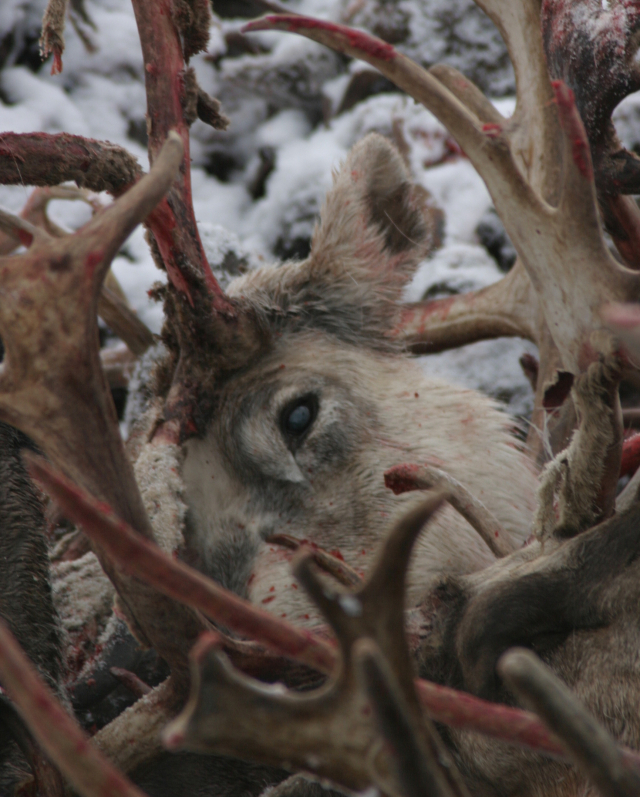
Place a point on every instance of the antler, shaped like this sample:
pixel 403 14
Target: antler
pixel 550 214
pixel 590 746
pixel 88 771
pixel 591 47
pixel 112 308
pixel 52 386
pixel 548 210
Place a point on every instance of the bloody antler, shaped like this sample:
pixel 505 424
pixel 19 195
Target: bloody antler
pixel 44 159
pixel 592 47
pixel 51 383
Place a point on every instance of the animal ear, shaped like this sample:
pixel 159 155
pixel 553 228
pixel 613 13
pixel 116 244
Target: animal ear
pixel 374 229
pixel 374 219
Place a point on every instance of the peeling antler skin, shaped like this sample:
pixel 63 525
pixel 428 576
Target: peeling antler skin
pixel 51 383
pixel 207 330
pixel 591 47
pixel 43 159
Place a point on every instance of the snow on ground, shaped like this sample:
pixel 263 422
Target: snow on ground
pixel 296 109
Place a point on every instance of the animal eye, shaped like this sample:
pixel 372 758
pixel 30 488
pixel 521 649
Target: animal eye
pixel 298 416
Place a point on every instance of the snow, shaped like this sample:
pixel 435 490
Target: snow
pixel 282 105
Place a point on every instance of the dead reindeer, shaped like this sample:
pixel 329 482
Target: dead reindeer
pixel 297 439
pixel 231 439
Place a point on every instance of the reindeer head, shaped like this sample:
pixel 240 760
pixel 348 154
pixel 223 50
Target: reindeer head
pixel 297 439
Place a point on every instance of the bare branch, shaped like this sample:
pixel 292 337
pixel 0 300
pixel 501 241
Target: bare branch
pixel 404 478
pixel 89 772
pixel 591 747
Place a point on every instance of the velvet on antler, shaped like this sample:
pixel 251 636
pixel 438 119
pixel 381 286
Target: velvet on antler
pixel 51 382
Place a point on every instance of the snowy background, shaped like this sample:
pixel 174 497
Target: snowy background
pixel 295 108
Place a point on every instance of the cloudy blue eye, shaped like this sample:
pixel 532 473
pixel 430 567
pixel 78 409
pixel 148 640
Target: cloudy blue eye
pixel 298 416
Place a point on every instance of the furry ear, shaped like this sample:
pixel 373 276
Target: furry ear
pixel 375 223
pixel 374 229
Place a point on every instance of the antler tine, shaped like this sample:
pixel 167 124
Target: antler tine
pixel 508 308
pixel 33 220
pixel 330 726
pixel 376 609
pixel 534 127
pixel 468 93
pixel 22 230
pixel 88 771
pixel 52 386
pixel 590 746
pixel 541 235
pixel 423 765
pixel 490 156
pixel 404 478
pixel 118 221
pixel 328 732
pixel 62 340
pixel 48 159
pixel 145 560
